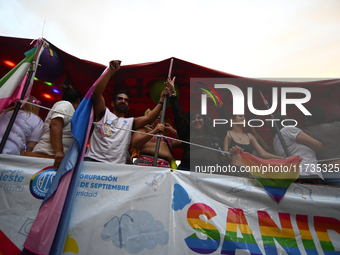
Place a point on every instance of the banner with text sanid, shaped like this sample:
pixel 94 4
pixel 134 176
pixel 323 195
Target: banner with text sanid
pixel 124 209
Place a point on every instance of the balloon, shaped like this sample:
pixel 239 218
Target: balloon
pixel 51 66
pixel 156 91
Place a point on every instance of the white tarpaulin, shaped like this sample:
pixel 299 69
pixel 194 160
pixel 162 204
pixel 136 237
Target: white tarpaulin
pixel 124 209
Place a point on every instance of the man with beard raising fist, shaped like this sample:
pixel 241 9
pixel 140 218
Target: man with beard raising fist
pixel 109 144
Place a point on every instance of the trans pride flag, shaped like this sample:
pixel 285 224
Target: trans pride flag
pixel 275 175
pixel 49 230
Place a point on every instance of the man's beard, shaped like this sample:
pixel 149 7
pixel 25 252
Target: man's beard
pixel 121 108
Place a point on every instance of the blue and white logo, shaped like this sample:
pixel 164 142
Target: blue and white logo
pixel 41 182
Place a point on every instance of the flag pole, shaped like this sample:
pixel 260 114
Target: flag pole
pixel 31 72
pixel 154 163
pixel 276 128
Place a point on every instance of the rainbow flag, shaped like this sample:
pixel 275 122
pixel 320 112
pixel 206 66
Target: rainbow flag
pixel 275 175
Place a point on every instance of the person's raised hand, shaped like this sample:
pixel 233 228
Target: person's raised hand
pixel 114 66
pixel 170 84
pixel 164 93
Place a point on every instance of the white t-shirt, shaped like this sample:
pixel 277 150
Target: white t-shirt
pixel 308 165
pixel 27 127
pixel 328 134
pixel 65 111
pixel 110 144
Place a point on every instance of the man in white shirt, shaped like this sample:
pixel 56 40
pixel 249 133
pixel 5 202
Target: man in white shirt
pixel 109 144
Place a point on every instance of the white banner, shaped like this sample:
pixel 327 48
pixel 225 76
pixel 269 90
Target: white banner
pixel 124 209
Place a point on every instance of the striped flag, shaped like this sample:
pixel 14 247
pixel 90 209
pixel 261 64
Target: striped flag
pixel 11 85
pixel 48 232
pixel 275 175
pixel 81 126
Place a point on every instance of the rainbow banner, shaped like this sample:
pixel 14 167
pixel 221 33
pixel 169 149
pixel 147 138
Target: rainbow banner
pixel 236 220
pixel 213 236
pixel 306 235
pixel 271 232
pixel 275 175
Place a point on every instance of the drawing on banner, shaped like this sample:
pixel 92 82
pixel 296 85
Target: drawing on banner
pixel 41 182
pixel 157 179
pixel 239 188
pixel 199 180
pixel 25 228
pixel 180 199
pixel 71 244
pixel 135 230
pixel 304 192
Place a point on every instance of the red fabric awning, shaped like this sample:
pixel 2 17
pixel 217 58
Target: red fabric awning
pixel 138 80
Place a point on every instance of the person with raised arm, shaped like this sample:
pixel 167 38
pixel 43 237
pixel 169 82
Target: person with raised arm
pixel 198 129
pixel 109 144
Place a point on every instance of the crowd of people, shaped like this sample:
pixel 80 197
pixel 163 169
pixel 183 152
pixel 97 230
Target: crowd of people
pixel 202 144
